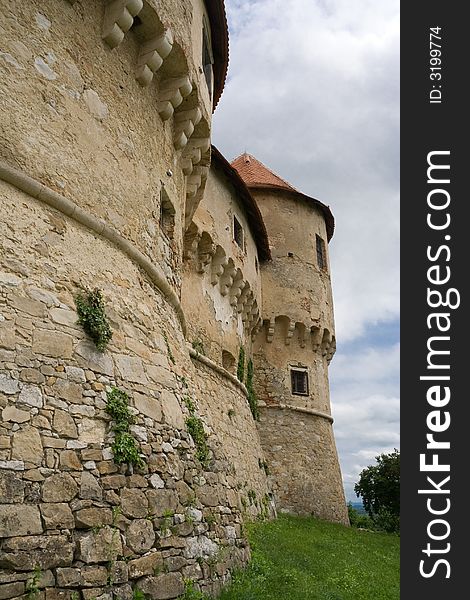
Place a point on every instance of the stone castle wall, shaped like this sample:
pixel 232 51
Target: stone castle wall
pixel 66 507
pixel 92 144
pixel 303 463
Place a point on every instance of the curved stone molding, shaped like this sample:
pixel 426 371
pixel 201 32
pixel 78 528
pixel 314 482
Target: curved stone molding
pixel 306 411
pixel 118 19
pixel 151 56
pixel 215 367
pixel 40 192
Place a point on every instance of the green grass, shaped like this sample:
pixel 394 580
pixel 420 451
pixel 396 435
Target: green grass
pixel 301 558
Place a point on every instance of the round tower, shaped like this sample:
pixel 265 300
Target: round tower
pixel 294 345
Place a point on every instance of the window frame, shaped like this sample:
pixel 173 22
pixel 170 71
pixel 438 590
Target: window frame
pixel 294 372
pixel 207 56
pixel 238 227
pixel 167 215
pixel 321 253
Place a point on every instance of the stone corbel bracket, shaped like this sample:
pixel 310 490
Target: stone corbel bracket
pixel 151 56
pixel 118 19
pixel 172 93
pixel 185 122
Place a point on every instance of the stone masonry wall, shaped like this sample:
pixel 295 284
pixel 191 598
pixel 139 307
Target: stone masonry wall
pixel 90 528
pixel 303 464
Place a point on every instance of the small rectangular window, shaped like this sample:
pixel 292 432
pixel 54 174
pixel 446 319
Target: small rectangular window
pixel 207 60
pixel 167 214
pixel 238 235
pixel 321 253
pixel 299 382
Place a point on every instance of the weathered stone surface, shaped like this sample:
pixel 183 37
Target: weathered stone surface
pixel 46 552
pixel 208 495
pixel 134 503
pixel 185 493
pixel 10 590
pixel 30 307
pixel 91 431
pixel 27 446
pixel 69 577
pixel 93 517
pixel 57 516
pixel 163 587
pixel 8 385
pixel 11 413
pixel 175 563
pixel 101 546
pixel 63 316
pixel 172 410
pixel 93 576
pixel 31 395
pixel 60 487
pixel 75 374
pixel 140 535
pixel 14 465
pixel 52 343
pixel 64 424
pixel 18 519
pixel 130 368
pixel 200 547
pixel 157 482
pixel 11 488
pixel 69 461
pixel 72 392
pixel 89 487
pixel 161 502
pixel 148 406
pixel 95 360
pixel 32 376
pixel 146 565
pixel 7 336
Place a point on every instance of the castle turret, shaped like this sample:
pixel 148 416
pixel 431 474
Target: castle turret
pixel 294 345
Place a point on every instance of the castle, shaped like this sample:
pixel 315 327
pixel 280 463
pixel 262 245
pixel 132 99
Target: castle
pixel 215 281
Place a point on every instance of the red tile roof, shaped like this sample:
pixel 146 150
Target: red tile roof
pixel 252 211
pixel 256 175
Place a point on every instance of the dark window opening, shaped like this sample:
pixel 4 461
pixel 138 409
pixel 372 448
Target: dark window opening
pixel 299 382
pixel 321 253
pixel 167 214
pixel 238 233
pixel 207 60
pixel 136 22
pixel 256 265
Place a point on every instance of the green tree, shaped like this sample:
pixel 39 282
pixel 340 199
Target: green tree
pixel 379 486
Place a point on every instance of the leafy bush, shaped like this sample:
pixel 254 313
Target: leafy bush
pixel 252 399
pixel 379 486
pixel 196 429
pixel 125 448
pixel 92 317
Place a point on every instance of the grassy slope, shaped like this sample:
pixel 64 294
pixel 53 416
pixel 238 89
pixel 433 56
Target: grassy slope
pixel 297 558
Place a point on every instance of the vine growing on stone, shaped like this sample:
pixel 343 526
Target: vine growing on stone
pixel 92 317
pixel 252 399
pixel 125 447
pixel 196 430
pixel 241 364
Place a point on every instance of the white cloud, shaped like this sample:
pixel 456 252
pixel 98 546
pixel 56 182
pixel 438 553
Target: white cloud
pixel 313 89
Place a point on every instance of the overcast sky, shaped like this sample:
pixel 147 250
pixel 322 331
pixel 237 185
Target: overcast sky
pixel 313 92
